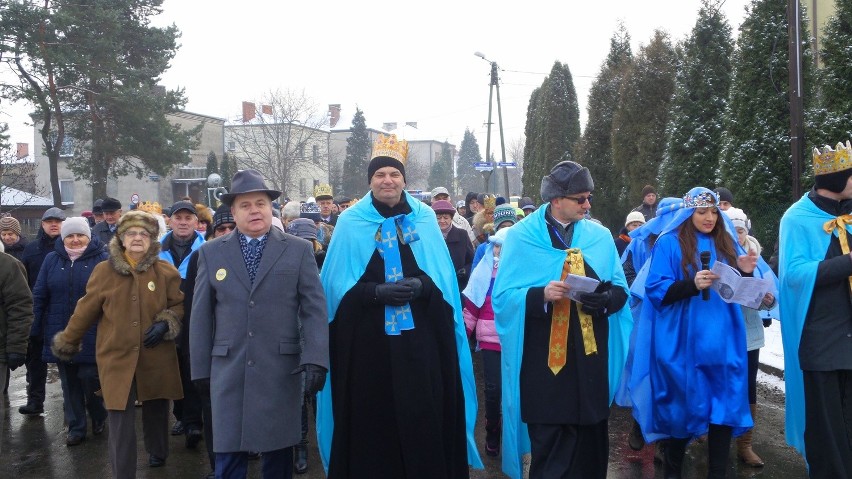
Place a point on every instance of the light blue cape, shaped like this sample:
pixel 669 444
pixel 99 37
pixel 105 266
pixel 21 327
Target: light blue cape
pixel 802 245
pixel 529 260
pixel 348 254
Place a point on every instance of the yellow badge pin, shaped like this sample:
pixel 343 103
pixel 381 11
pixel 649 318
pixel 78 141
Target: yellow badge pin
pixel 151 285
pixel 220 274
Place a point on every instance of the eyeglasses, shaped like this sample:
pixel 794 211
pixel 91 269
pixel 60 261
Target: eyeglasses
pixel 223 228
pixel 139 234
pixel 580 200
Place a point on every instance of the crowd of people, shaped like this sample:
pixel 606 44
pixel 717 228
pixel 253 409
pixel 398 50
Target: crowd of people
pixel 245 321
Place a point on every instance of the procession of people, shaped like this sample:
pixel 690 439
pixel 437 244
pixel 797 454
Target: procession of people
pixel 363 320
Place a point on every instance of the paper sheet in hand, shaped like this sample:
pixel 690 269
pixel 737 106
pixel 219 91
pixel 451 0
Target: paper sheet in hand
pixel 580 285
pixel 734 288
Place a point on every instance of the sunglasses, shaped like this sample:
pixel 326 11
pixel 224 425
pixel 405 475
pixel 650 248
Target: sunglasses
pixel 580 200
pixel 222 228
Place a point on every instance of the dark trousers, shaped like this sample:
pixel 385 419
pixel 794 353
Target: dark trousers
pixel 79 385
pixel 493 378
pixel 122 434
pixel 276 464
pixel 189 408
pixel 36 371
pixel 718 451
pixel 828 423
pixel 753 362
pixel 567 451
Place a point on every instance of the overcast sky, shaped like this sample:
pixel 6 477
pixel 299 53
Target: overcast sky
pixel 399 61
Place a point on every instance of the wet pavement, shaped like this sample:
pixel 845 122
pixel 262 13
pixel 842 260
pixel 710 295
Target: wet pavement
pixel 34 447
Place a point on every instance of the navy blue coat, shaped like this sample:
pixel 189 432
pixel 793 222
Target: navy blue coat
pixel 34 254
pixel 60 284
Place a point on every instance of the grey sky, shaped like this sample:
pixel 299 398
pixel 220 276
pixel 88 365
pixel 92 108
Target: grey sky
pixel 399 62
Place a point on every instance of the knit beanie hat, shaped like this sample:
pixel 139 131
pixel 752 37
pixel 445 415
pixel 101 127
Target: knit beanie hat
pixel 738 218
pixel 310 211
pixel 648 189
pixel 75 225
pixel 222 215
pixel 9 223
pixel 634 216
pixel 725 194
pixel 381 162
pixel 504 213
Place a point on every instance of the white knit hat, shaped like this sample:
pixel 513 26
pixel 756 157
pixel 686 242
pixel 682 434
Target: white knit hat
pixel 738 218
pixel 634 216
pixel 76 224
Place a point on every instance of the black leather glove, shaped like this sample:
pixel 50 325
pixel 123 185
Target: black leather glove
pixel 154 334
pixel 596 302
pixel 416 286
pixel 767 322
pixel 394 294
pixel 314 377
pixel 15 360
pixel 202 386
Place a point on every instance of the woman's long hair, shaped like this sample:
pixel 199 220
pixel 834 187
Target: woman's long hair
pixel 688 245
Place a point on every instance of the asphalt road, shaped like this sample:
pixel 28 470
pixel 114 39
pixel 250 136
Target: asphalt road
pixel 34 447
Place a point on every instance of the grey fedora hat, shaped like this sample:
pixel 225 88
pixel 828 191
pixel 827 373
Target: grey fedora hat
pixel 248 181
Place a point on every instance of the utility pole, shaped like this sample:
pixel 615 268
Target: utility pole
pixel 797 128
pixel 495 84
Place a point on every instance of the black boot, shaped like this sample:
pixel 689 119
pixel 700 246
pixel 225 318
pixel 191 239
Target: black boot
pixel 673 452
pixel 300 465
pixel 718 451
pixel 635 439
pixel 492 437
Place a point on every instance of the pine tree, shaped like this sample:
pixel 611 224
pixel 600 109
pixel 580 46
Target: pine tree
pixel 756 162
pixel 358 148
pixel 834 118
pixel 554 118
pixel 226 170
pixel 4 136
pixel 441 173
pixel 640 119
pixel 212 163
pixel 697 110
pixel 594 150
pixel 469 178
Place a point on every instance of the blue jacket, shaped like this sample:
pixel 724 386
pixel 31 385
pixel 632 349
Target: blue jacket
pixel 34 254
pixel 60 284
pixel 166 255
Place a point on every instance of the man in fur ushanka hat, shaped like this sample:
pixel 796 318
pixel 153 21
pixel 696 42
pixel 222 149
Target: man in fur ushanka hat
pixel 560 400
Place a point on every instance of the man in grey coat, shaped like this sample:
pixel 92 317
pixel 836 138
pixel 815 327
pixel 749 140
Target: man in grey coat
pixel 255 288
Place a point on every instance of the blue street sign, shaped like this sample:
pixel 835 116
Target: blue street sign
pixel 483 166
pixel 508 164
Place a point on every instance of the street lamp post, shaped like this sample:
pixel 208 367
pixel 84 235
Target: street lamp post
pixel 495 84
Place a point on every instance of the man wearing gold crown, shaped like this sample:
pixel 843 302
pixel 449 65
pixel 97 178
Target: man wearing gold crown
pixel 816 308
pixel 562 359
pixel 325 200
pixel 401 399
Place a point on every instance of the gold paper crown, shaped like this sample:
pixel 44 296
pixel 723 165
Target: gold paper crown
pixel 391 147
pixel 832 161
pixel 322 190
pixel 490 202
pixel 150 207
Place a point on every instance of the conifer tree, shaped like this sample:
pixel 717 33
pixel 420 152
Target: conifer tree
pixel 212 163
pixel 834 118
pixel 640 119
pixel 756 163
pixel 469 178
pixel 441 173
pixel 358 148
pixel 594 150
pixel 554 116
pixel 226 170
pixel 697 110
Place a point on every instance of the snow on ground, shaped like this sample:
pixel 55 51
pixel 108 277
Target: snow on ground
pixel 772 353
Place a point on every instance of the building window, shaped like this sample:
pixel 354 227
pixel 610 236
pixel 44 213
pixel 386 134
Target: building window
pixel 315 153
pixel 66 190
pixel 66 149
pixel 303 186
pixel 232 146
pixel 302 151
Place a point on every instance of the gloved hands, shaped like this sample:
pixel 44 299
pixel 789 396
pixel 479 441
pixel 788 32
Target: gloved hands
pixel 767 322
pixel 394 294
pixel 202 386
pixel 416 286
pixel 154 334
pixel 15 360
pixel 314 377
pixel 596 302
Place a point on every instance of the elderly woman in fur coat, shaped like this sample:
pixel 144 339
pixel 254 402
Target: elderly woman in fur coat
pixel 135 299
